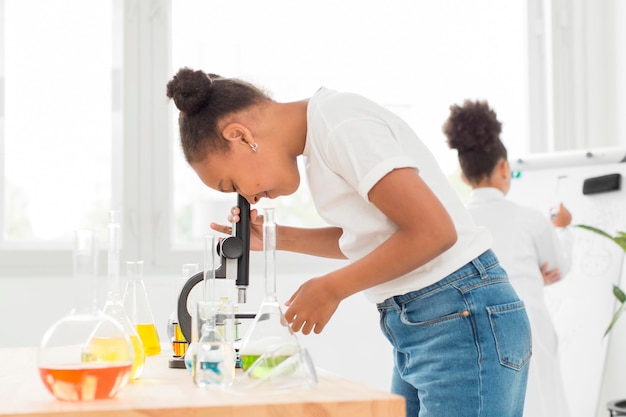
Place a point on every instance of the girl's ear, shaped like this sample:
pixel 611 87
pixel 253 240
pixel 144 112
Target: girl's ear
pixel 234 132
pixel 504 168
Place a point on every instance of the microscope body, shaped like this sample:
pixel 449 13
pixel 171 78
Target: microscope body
pixel 234 252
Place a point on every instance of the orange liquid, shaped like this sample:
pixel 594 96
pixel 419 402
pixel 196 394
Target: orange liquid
pixel 83 383
pixel 149 338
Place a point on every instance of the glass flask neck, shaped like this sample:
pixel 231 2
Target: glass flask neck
pixel 269 249
pixel 209 286
pixel 85 267
pixel 113 255
pixel 134 271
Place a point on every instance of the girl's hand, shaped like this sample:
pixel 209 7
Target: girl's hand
pixel 550 276
pixel 561 217
pixel 311 306
pixel 256 227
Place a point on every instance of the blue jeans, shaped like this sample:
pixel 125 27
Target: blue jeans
pixel 462 345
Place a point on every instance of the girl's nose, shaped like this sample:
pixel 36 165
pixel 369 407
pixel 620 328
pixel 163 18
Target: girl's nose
pixel 252 199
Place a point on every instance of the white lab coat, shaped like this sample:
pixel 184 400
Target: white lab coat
pixel 523 239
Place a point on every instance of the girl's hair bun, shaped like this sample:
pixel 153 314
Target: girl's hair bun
pixel 190 90
pixel 472 127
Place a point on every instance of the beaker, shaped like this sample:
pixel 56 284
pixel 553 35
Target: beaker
pixel 113 305
pixel 211 353
pixel 174 332
pixel 207 292
pixel 137 307
pixel 213 362
pixel 73 365
pixel 269 339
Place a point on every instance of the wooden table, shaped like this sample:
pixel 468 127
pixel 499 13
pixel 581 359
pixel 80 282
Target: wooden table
pixel 161 391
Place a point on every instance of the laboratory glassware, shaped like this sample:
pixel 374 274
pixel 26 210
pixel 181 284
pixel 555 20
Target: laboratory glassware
pixel 270 353
pixel 174 331
pixel 113 304
pixel 138 308
pixel 234 254
pixel 213 361
pixel 211 354
pixel 73 364
pixel 196 322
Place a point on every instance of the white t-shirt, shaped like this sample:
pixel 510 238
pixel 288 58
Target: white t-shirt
pixel 351 144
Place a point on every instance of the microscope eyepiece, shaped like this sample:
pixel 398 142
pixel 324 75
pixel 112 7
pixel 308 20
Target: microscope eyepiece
pixel 230 247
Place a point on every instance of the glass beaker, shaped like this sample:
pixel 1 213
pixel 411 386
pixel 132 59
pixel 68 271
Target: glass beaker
pixel 73 365
pixel 269 336
pixel 113 304
pixel 207 293
pixel 174 333
pixel 137 307
pixel 213 362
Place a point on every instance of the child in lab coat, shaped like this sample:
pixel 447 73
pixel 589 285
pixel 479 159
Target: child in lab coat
pixel 525 242
pixel 416 254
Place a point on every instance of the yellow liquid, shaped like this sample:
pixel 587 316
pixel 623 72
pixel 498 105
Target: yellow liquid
pixel 149 338
pixel 139 359
pixel 104 349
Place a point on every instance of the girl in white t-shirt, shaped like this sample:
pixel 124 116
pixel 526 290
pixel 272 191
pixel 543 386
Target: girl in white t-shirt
pixel 460 334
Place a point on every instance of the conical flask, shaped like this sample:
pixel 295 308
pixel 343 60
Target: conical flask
pixel 86 355
pixel 137 307
pixel 269 341
pixel 113 304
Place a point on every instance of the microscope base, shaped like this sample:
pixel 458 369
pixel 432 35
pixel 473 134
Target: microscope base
pixel 177 363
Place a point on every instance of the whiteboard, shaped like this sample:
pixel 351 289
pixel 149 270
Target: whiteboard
pixel 582 303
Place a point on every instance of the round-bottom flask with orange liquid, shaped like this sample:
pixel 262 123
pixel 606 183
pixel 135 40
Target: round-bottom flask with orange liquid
pixel 85 356
pixel 73 363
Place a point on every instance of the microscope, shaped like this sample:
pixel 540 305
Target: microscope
pixel 234 252
pixel 270 355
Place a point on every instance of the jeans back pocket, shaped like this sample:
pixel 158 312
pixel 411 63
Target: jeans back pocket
pixel 511 330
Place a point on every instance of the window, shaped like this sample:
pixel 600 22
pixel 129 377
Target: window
pixel 85 125
pixel 59 120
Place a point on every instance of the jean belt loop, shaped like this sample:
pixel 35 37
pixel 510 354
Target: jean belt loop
pixel 479 266
pixel 394 304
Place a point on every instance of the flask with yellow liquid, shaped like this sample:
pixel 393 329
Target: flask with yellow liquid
pixel 137 307
pixel 113 305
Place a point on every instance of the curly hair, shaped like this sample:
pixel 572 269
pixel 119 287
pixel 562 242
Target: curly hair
pixel 203 100
pixel 474 131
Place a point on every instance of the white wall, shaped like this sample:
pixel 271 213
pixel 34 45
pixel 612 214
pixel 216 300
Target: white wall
pixel 351 345
pixel 607 41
